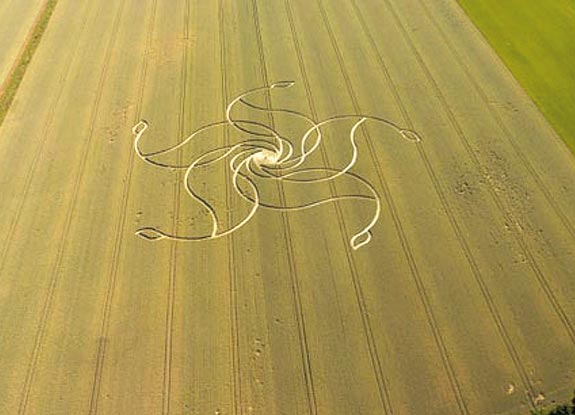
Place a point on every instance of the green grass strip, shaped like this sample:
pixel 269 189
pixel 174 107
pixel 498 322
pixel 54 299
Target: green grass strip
pixel 536 40
pixel 10 86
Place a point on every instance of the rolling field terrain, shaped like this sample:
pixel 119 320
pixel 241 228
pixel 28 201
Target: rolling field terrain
pixel 536 41
pixel 433 272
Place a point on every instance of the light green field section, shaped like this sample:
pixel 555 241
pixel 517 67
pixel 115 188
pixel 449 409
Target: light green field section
pixel 537 41
pixel 462 303
pixel 16 19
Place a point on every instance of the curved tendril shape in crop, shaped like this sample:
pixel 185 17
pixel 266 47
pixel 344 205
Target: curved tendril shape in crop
pixel 266 155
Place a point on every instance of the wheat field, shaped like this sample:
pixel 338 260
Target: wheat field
pixel 373 217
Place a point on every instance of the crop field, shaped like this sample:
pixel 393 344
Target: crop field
pixel 16 18
pixel 280 207
pixel 543 63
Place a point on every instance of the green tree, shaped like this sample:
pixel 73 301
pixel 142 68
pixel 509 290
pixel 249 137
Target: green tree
pixel 565 409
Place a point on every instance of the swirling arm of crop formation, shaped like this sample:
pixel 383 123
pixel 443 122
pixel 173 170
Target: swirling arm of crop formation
pixel 285 157
pixel 360 238
pixel 148 157
pixel 213 156
pixel 285 162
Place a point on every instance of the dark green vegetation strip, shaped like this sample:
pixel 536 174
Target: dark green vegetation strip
pixel 10 86
pixel 565 409
pixel 536 40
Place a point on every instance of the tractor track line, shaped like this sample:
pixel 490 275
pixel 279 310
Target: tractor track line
pixel 55 274
pixel 383 391
pixel 490 302
pixel 118 246
pixel 170 309
pixel 41 146
pixel 233 283
pixel 298 307
pixel 420 286
pixel 311 394
pixel 544 284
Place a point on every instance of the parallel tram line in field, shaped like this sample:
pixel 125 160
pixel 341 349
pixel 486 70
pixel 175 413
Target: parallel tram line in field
pixel 420 286
pixel 551 297
pixel 233 283
pixel 305 79
pixel 63 243
pixel 453 222
pixel 501 124
pixel 120 228
pixel 30 174
pixel 364 314
pixel 169 331
pixel 298 307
